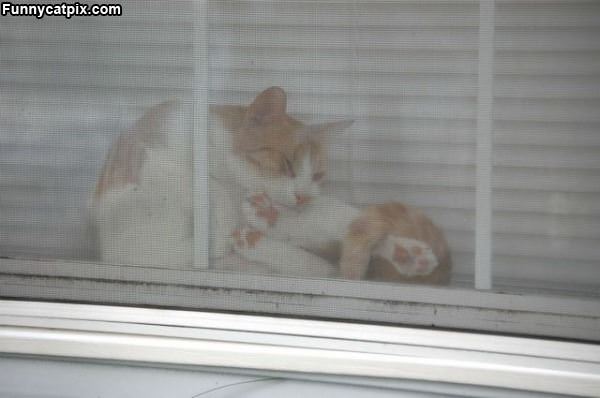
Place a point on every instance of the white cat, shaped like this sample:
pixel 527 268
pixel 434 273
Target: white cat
pixel 265 174
pixel 142 207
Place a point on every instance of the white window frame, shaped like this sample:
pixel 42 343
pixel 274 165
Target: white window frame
pixel 200 189
pixel 576 318
pixel 301 348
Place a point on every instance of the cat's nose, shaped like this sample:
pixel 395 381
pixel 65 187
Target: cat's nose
pixel 302 199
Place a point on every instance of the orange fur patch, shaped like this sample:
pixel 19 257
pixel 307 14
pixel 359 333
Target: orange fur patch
pixel 359 227
pixel 268 137
pixel 253 237
pixel 128 153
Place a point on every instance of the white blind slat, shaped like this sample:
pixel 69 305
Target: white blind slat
pixel 548 152
pixel 68 89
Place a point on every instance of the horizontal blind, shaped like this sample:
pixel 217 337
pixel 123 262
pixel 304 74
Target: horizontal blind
pixel 405 71
pixel 547 144
pixel 68 88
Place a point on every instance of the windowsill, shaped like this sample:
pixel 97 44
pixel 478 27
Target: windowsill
pixel 457 308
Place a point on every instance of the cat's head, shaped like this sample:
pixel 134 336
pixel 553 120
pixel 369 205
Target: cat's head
pixel 281 156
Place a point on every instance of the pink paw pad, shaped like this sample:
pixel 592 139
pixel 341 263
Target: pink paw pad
pixel 246 238
pixel 264 208
pixel 422 264
pixel 401 255
pixel 260 200
pixel 410 257
pixel 270 214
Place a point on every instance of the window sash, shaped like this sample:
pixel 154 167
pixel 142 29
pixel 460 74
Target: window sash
pixel 200 196
pixel 462 309
pixel 300 347
pixel 485 103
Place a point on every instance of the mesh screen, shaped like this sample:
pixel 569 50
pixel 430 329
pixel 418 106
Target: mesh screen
pixel 439 92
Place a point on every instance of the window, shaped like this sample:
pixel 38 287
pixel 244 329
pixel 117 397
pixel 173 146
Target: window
pixel 482 114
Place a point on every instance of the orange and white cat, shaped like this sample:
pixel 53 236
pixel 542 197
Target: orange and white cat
pixel 390 242
pixel 265 170
pixel 142 206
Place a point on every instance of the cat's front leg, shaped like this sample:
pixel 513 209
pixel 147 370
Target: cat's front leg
pixel 281 256
pixel 265 215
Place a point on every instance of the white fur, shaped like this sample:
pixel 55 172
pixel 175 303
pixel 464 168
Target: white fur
pixel 149 223
pixel 286 259
pixel 324 220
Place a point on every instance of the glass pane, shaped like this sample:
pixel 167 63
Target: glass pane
pixel 397 84
pixel 70 88
pixel 547 147
pixel 336 143
pixel 357 163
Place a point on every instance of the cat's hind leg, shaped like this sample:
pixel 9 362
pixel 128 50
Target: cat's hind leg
pixel 282 257
pixel 363 234
pixel 410 257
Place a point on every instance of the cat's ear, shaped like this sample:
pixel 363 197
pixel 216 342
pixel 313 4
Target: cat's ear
pixel 271 102
pixel 321 130
pixel 232 116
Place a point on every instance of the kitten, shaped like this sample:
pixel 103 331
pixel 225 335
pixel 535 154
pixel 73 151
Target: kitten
pixel 142 205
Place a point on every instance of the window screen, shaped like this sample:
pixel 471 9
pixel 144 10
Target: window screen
pixel 173 144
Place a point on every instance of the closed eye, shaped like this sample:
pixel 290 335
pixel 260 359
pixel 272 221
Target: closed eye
pixel 289 168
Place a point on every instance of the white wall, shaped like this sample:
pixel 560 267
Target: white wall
pixel 42 378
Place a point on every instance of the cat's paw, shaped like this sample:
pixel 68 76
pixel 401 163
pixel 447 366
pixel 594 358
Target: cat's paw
pixel 259 211
pixel 246 238
pixel 410 257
